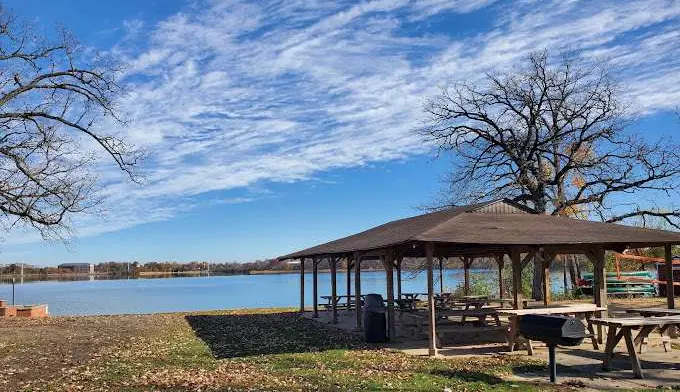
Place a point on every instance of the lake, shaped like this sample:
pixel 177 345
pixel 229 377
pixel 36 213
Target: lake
pixel 124 296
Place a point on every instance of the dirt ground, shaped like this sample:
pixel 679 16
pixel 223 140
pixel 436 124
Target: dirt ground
pixel 40 350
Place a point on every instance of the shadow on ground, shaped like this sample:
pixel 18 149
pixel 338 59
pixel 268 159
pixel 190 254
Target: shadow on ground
pixel 241 335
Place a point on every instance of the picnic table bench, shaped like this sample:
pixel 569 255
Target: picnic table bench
pixel 587 311
pixel 650 312
pixel 622 328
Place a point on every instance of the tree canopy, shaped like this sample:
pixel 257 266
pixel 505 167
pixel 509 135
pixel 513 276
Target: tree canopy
pixel 555 135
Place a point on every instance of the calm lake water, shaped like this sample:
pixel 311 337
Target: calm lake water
pixel 123 296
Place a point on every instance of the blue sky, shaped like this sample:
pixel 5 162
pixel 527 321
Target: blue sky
pixel 273 126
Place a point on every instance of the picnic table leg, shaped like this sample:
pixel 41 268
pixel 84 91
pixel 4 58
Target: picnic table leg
pixel 512 332
pixel 599 330
pixel 634 359
pixel 641 338
pixel 530 348
pixel 665 338
pixel 609 348
pixel 591 331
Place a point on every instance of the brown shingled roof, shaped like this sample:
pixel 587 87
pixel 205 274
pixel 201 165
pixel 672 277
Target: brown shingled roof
pixel 499 222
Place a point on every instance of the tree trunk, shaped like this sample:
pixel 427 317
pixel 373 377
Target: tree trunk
pixel 537 284
pixel 571 266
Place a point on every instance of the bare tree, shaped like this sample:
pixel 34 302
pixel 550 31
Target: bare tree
pixel 52 94
pixel 554 137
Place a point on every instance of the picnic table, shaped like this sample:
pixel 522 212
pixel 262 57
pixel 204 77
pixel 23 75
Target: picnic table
pixel 348 304
pixel 622 328
pixel 480 314
pixel 409 300
pixel 587 311
pixel 467 302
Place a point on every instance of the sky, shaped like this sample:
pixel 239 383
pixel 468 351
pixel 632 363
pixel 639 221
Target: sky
pixel 273 126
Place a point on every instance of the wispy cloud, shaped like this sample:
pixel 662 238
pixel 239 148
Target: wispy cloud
pixel 229 94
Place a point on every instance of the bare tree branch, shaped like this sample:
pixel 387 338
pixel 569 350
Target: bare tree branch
pixel 52 97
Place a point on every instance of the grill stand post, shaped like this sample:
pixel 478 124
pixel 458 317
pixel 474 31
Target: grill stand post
pixel 552 363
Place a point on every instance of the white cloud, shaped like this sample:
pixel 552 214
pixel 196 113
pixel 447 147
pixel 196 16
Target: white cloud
pixel 230 94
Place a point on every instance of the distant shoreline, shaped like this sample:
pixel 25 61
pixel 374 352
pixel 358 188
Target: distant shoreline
pixel 151 274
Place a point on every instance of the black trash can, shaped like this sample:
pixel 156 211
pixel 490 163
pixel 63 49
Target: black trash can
pixel 375 323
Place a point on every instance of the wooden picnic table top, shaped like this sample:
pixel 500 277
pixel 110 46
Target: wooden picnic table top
pixel 664 311
pixel 575 308
pixel 636 321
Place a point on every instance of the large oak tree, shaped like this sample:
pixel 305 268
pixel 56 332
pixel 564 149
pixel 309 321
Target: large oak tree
pixel 555 135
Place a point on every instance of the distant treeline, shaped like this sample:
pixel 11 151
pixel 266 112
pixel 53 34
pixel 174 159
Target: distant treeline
pixel 232 268
pixel 135 268
pixel 228 268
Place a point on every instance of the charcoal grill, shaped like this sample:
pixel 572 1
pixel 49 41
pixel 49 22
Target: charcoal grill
pixel 553 331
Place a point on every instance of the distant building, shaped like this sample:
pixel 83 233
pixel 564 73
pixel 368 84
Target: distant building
pixel 77 267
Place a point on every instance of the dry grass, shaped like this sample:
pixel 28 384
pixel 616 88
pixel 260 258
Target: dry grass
pixel 227 351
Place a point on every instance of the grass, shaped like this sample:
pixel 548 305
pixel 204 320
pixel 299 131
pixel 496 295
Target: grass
pixel 270 350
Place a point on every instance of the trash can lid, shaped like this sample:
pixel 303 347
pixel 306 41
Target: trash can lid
pixel 373 300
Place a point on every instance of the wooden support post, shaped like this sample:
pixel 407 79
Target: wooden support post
pixel 516 278
pixel 349 279
pixel 357 288
pixel 431 327
pixel 670 290
pixel 334 288
pixel 399 260
pixel 466 281
pixel 500 259
pixel 389 270
pixel 302 284
pixel 597 257
pixel 546 282
pixel 441 274
pixel 564 276
pixel 315 285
